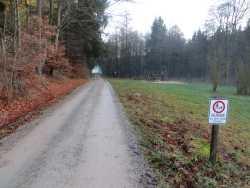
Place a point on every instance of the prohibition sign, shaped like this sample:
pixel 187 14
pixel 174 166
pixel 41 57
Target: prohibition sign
pixel 218 111
pixel 219 107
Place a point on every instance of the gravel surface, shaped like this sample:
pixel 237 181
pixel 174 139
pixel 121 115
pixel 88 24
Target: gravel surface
pixel 85 141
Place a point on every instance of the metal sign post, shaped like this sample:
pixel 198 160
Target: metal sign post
pixel 218 112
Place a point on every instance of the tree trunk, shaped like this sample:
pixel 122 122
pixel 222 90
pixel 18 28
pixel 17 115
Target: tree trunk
pixel 215 86
pixel 39 5
pixel 27 7
pixel 58 24
pixel 51 11
pixel 17 26
pixel 39 12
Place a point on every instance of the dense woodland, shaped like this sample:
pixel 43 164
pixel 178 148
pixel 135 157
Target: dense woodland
pixel 48 37
pixel 219 53
pixel 53 37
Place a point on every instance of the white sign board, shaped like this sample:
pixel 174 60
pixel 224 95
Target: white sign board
pixel 218 111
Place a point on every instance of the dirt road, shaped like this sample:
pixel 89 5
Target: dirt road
pixel 83 142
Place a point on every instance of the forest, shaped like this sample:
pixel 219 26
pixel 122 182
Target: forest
pixel 55 37
pixel 218 53
pixel 47 37
pixel 47 48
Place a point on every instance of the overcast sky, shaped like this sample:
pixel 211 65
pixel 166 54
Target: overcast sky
pixel 189 15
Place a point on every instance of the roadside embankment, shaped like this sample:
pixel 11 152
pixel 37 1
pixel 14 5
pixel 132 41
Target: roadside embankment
pixel 14 113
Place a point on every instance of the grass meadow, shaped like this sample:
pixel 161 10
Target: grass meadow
pixel 171 120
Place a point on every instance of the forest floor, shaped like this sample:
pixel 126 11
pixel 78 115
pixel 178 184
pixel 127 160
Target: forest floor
pixel 172 123
pixel 41 93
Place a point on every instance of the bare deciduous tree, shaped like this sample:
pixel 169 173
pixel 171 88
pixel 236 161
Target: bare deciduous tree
pixel 225 20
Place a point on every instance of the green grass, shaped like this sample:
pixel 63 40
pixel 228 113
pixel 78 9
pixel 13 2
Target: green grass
pixel 202 147
pixel 154 107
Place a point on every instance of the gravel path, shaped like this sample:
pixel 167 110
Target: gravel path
pixel 83 142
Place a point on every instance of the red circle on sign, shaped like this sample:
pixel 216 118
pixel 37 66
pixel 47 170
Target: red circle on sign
pixel 219 107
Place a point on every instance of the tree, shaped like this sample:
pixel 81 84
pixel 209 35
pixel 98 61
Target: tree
pixel 196 52
pixel 51 11
pixel 221 52
pixel 82 29
pixel 225 21
pixel 39 5
pixel 243 61
pixel 155 47
pixel 59 22
pixel 175 44
pixel 17 25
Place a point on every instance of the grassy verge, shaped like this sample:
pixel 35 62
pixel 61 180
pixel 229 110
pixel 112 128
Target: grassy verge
pixel 172 122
